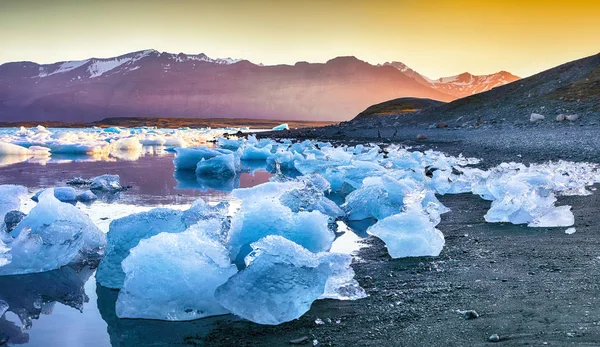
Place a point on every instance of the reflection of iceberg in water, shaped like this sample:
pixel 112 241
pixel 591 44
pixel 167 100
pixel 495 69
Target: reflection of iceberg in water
pixel 187 179
pixel 29 296
pixel 129 155
pixel 6 160
pixel 253 165
pixel 142 332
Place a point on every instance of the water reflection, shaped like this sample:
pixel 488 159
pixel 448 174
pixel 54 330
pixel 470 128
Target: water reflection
pixel 143 332
pixel 152 178
pixel 29 296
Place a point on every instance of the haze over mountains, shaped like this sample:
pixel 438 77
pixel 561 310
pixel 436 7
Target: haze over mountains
pixel 152 84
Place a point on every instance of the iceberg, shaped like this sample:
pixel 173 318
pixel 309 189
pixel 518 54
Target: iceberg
pixel 125 233
pixel 280 282
pixel 188 158
pixel 251 152
pixel 63 194
pixel 283 126
pixel 222 166
pixel 174 277
pixel 262 214
pixel 57 233
pixel 410 233
pixel 106 183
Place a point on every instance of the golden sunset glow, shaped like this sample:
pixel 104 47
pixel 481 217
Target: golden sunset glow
pixel 435 37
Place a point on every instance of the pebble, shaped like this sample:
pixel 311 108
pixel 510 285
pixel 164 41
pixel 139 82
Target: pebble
pixel 494 338
pixel 299 341
pixel 471 314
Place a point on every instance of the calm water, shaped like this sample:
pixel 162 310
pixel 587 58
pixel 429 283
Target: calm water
pixel 65 307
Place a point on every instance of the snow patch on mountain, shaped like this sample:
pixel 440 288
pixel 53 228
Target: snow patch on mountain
pixel 98 67
pixel 63 67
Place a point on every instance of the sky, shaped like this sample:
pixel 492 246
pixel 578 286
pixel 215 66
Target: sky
pixel 434 37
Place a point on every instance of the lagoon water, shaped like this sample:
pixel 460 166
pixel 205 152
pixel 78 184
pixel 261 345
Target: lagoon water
pixel 66 307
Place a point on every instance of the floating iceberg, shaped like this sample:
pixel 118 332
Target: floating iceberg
pixel 222 166
pixel 63 194
pixel 280 282
pixel 174 277
pixel 256 153
pixel 125 233
pixel 188 158
pixel 57 233
pixel 106 183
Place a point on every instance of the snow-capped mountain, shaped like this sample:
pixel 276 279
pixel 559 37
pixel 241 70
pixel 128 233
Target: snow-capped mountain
pixel 461 85
pixel 151 83
pixel 94 67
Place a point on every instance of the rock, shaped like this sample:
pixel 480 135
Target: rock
pixel 441 125
pixel 494 338
pixel 471 314
pixel 12 219
pixel 572 117
pixel 299 341
pixel 560 118
pixel 536 117
pixel 421 137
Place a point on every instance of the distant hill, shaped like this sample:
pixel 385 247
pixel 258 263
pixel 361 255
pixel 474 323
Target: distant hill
pixel 571 88
pixel 398 106
pixel 154 84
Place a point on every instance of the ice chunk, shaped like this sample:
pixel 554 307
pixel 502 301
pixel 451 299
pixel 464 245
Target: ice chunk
pixel 283 126
pixel 262 214
pixel 280 282
pixel 87 196
pixel 174 277
pixel 188 158
pixel 383 196
pixel 256 153
pixel 560 216
pixel 10 198
pixel 311 197
pixel 106 183
pixel 341 284
pixel 57 233
pixel 114 130
pixel 64 194
pixel 222 166
pixel 230 144
pixel 570 231
pixel 125 233
pixel 410 233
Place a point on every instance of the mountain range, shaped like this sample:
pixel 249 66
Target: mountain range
pixel 572 88
pixel 154 84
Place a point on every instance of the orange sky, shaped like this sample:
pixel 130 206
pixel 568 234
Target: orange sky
pixel 435 37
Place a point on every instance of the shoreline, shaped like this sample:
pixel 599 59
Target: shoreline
pixel 531 286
